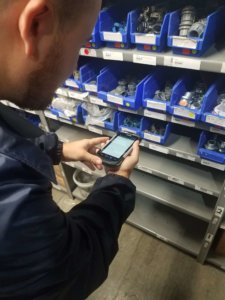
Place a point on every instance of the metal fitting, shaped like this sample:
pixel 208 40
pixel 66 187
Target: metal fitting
pixel 222 147
pixel 76 75
pixel 132 122
pixel 197 29
pixel 188 16
pixel 212 145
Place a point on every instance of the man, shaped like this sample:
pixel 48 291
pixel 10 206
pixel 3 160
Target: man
pixel 44 253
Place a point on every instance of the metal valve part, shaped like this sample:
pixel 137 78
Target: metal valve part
pixel 188 16
pixel 76 75
pixel 197 29
pixel 212 145
pixel 222 147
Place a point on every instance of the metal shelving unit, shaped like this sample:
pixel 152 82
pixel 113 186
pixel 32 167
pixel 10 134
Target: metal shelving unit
pixel 168 225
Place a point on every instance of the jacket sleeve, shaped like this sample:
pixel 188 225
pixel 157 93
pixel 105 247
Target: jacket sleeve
pixel 100 218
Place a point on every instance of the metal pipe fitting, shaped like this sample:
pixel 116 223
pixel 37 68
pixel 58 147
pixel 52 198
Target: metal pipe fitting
pixel 197 29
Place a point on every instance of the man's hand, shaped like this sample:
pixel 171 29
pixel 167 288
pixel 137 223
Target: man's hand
pixel 128 164
pixel 84 151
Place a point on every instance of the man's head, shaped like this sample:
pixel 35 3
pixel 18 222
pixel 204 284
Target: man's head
pixel 40 42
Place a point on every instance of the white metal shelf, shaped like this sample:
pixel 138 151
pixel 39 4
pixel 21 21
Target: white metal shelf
pixel 168 225
pixel 179 146
pixel 212 61
pixel 177 197
pixel 193 176
pixel 165 192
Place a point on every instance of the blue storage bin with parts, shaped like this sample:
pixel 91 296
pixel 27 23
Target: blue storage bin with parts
pixel 130 123
pixel 190 96
pixel 122 85
pixel 192 35
pixel 95 42
pixel 214 109
pixel 74 81
pixel 155 130
pixel 157 41
pixel 158 89
pixel 109 124
pixel 67 109
pixel 212 147
pixel 115 27
pixel 89 74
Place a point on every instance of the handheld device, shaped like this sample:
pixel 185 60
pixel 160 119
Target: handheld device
pixel 117 149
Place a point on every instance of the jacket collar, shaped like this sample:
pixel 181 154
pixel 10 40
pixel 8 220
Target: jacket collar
pixel 20 147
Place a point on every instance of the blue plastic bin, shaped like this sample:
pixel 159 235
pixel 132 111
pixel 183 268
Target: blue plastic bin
pixel 149 42
pixel 113 126
pixel 95 41
pixel 208 154
pixel 71 82
pixel 89 73
pixel 76 119
pixel 157 82
pixel 196 46
pixel 107 19
pixel 123 128
pixel 108 81
pixel 145 125
pixel 208 116
pixel 182 86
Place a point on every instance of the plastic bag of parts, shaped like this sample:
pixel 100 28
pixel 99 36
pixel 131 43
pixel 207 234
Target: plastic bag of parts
pixel 68 106
pixel 97 114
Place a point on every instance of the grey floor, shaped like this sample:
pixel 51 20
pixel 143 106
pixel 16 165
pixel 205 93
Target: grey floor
pixel 148 269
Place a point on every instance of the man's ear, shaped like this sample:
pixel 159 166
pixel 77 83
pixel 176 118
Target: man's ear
pixel 36 22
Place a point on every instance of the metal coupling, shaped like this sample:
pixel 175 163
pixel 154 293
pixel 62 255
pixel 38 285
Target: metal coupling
pixel 197 29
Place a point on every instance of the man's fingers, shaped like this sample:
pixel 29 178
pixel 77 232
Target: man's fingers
pixel 89 165
pixel 97 141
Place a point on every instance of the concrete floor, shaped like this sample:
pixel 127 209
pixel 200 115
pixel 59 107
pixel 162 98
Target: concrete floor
pixel 148 269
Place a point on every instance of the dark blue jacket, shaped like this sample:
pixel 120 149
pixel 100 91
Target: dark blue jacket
pixel 46 254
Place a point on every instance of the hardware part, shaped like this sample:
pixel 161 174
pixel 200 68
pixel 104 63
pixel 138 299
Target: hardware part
pixel 188 16
pixel 183 102
pixel 222 147
pixel 197 29
pixel 150 20
pixel 132 122
pixel 212 145
pixel 76 75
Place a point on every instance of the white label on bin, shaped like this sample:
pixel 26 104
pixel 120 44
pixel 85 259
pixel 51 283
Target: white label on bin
pixel 182 122
pixel 99 123
pixel 200 189
pixel 115 99
pixel 184 42
pixel 124 129
pixel 156 105
pixel 155 115
pixel 91 87
pixel 88 52
pixel 215 120
pixel 94 129
pixel 176 180
pixel 97 101
pixel 159 149
pixel 217 130
pixel 77 95
pixel 144 59
pixel 182 62
pixel 188 157
pixel 112 36
pixel 184 113
pixel 152 137
pixel 72 83
pixel 149 39
pixel 145 169
pixel 214 165
pixel 112 55
pixel 62 92
pixel 223 68
pixel 48 114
